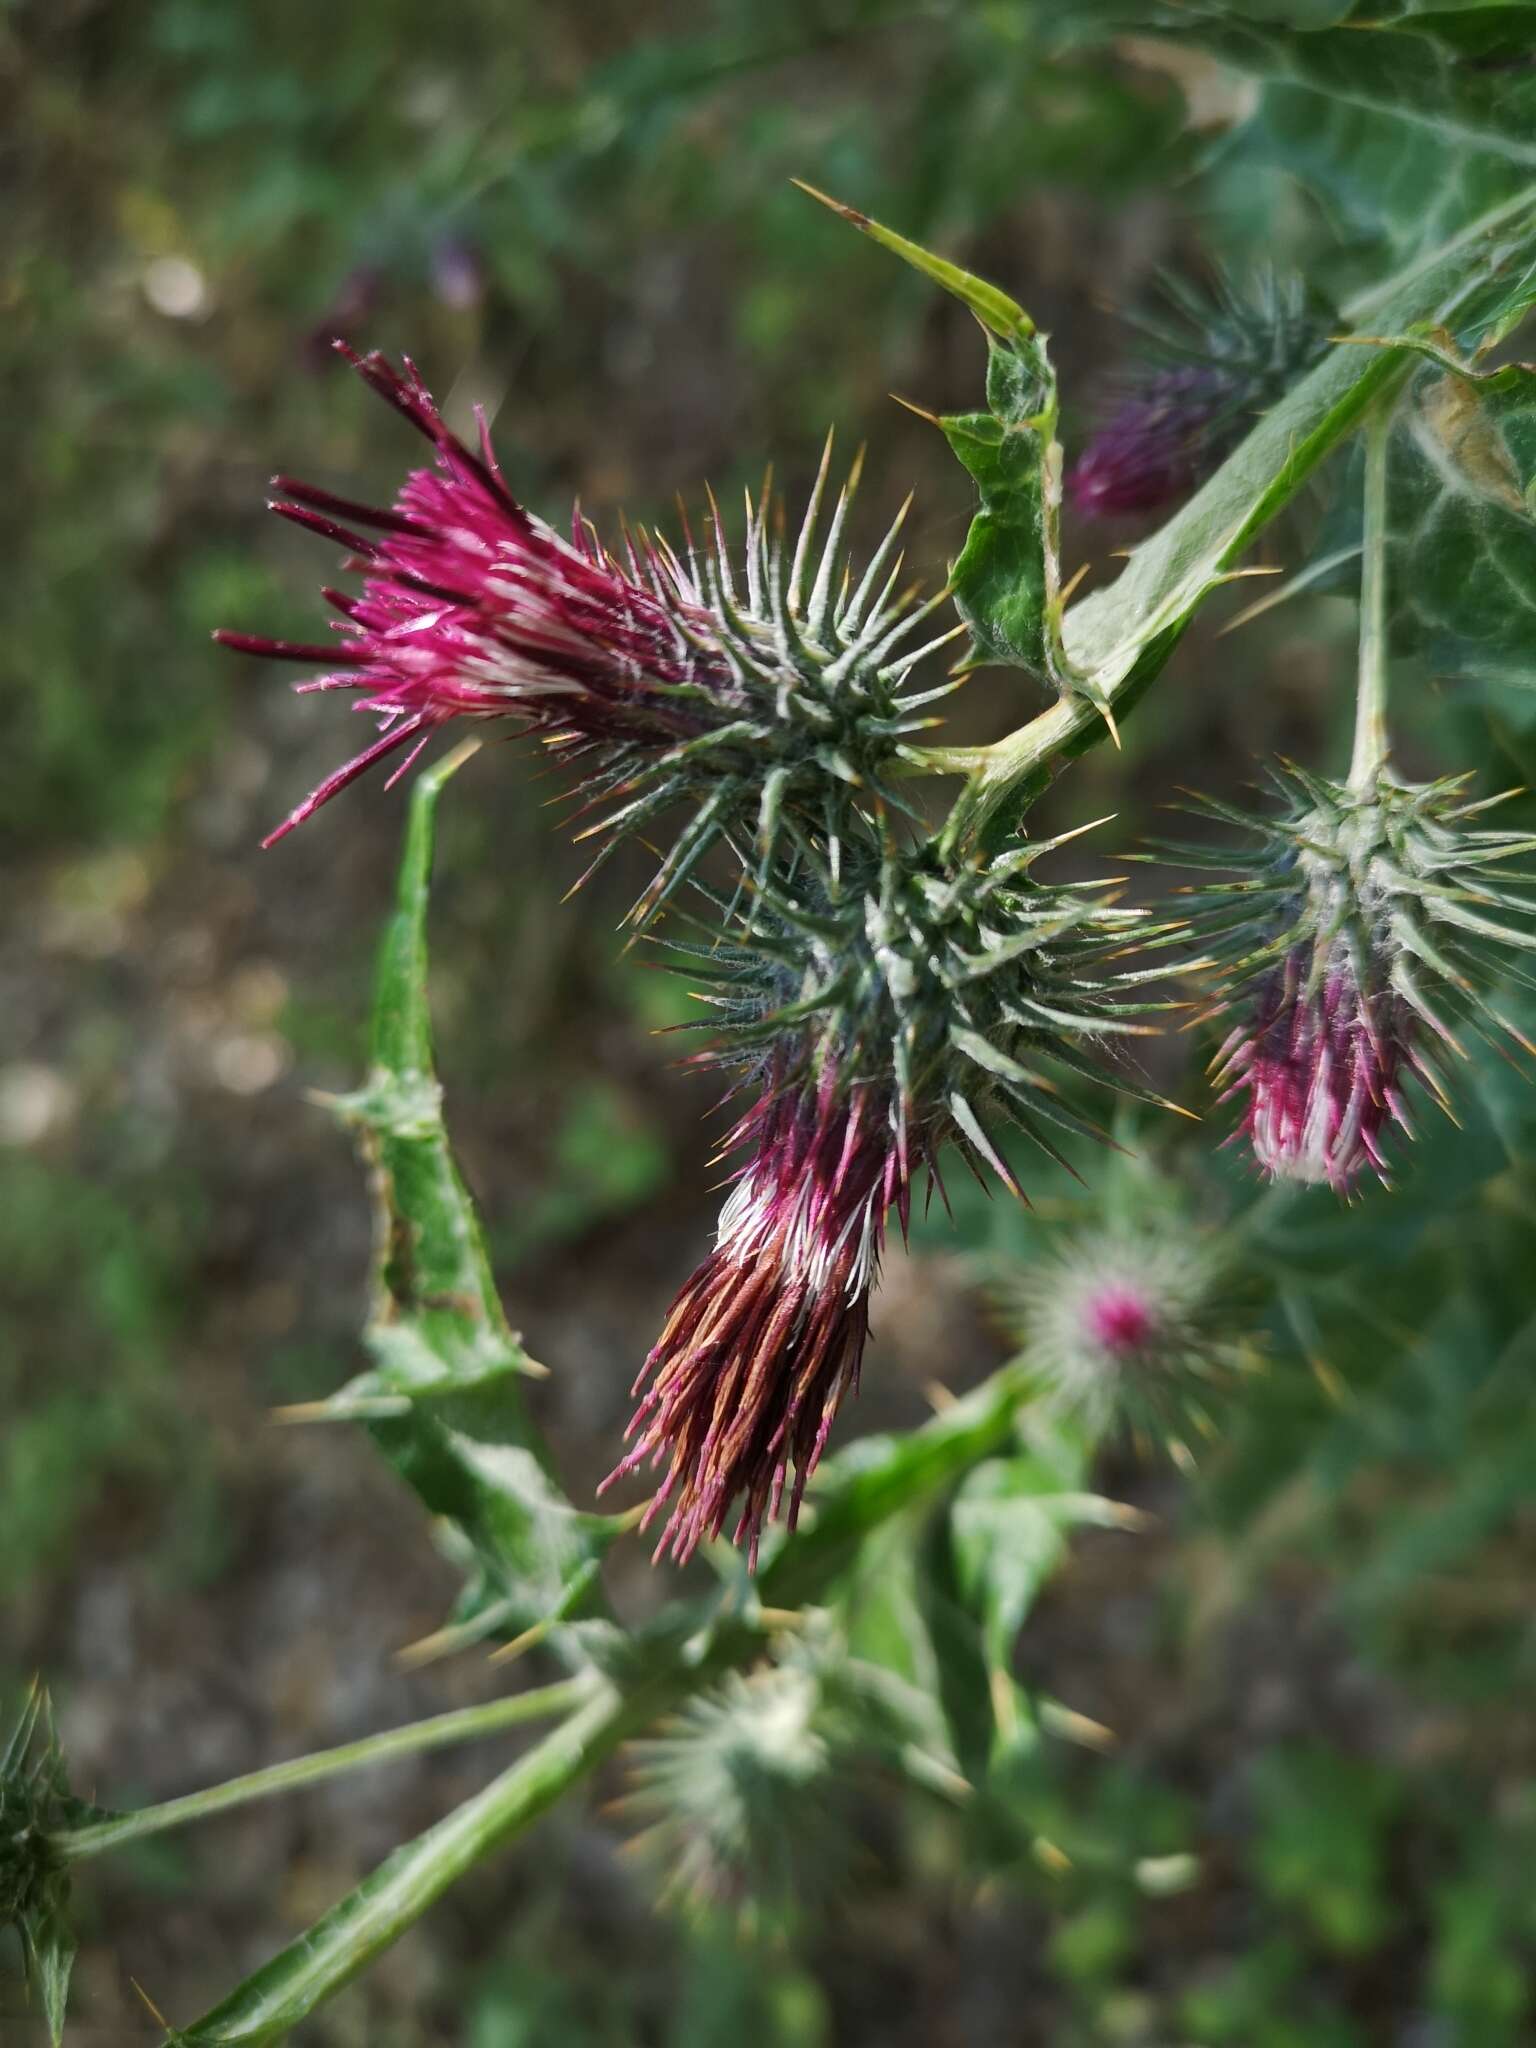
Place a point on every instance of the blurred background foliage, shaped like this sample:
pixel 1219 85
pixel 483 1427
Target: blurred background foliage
pixel 1306 1811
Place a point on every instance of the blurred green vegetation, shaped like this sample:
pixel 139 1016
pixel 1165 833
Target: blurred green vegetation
pixel 1318 1822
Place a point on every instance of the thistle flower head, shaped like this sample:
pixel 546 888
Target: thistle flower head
pixel 1131 1325
pixel 666 676
pixel 1358 937
pixel 876 1009
pixel 1225 359
pixel 739 1793
pixel 747 1793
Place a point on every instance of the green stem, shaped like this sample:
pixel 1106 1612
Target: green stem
pixel 1371 691
pixel 442 1730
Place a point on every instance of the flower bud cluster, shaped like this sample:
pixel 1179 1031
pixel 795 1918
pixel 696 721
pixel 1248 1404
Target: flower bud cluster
pixel 1359 937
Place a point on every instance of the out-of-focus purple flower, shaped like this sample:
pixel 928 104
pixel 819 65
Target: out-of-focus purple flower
pixel 766 1338
pixel 1225 360
pixel 458 272
pixel 1119 1317
pixel 1157 444
pixel 1321 1072
pixel 1133 1326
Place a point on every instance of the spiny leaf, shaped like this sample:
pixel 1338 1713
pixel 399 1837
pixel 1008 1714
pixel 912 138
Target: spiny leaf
pixel 998 313
pixel 1006 581
pixel 444 1399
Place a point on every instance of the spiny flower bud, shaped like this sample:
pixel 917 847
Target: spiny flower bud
pixel 1355 938
pixel 739 1793
pixel 747 1792
pixel 881 1012
pixel 1226 361
pixel 1132 1326
pixel 658 676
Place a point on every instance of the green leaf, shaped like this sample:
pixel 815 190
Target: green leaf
pixel 1006 580
pixel 443 1399
pixel 1438 77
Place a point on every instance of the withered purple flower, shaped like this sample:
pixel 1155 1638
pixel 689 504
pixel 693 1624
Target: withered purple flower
pixel 659 678
pixel 766 1337
pixel 1361 934
pixel 878 1012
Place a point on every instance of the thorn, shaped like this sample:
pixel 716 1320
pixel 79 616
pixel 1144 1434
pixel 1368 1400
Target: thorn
pixel 850 214
pixel 526 1641
pixel 364 1408
pixel 1071 584
pixel 151 2008
pixel 922 411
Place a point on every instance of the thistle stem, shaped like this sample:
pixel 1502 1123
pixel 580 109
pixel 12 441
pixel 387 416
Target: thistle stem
pixel 1370 751
pixel 439 1732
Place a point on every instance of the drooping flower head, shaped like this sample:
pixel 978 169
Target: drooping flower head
pixel 1359 936
pixel 1135 1325
pixel 666 677
pixel 1207 377
pixel 875 1013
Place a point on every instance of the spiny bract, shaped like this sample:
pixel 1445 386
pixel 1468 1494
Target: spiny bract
pixel 1362 930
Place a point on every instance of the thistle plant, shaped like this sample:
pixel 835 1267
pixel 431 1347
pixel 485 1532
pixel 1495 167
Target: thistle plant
pixel 901 974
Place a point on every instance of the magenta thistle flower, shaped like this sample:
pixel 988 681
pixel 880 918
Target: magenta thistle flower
pixel 1224 362
pixel 1158 444
pixel 1358 937
pixel 766 1338
pixel 657 675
